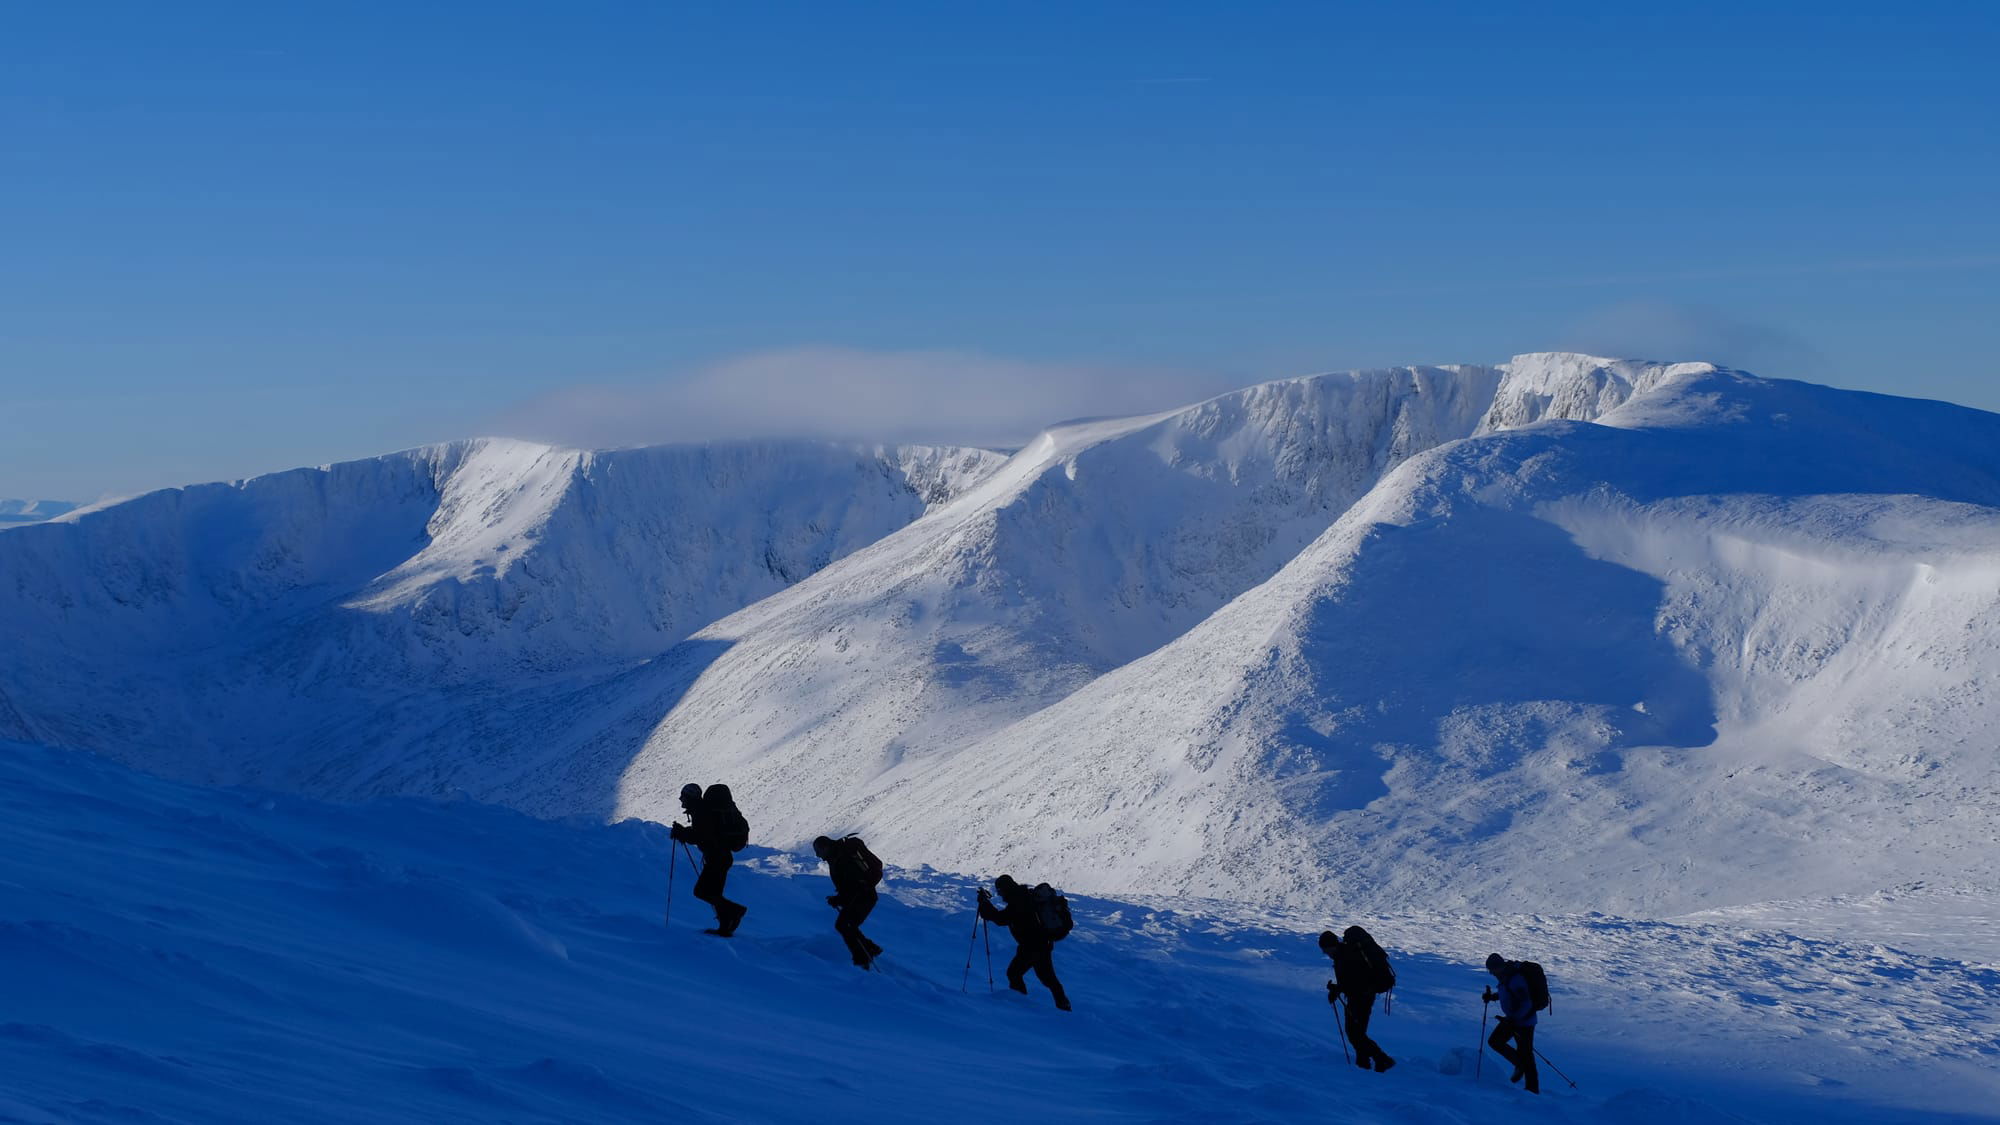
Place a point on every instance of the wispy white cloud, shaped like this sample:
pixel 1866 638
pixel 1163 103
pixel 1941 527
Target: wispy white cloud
pixel 1668 330
pixel 935 396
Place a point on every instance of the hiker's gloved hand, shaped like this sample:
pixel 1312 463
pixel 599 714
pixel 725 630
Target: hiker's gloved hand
pixel 677 832
pixel 1332 992
pixel 833 900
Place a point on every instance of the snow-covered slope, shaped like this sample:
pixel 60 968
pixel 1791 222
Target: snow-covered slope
pixel 206 955
pixel 14 513
pixel 1098 543
pixel 275 628
pixel 1567 633
pixel 1737 640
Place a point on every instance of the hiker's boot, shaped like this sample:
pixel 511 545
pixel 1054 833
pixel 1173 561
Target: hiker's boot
pixel 726 923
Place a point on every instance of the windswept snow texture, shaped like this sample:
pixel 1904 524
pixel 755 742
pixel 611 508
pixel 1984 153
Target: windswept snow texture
pixel 14 513
pixel 179 954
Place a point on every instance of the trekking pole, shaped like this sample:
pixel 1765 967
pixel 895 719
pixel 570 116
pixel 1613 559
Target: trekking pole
pixel 673 865
pixel 1554 1067
pixel 1340 1023
pixel 1481 1064
pixel 971 944
pixel 989 956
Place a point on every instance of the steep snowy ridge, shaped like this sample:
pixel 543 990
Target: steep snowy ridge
pixel 244 630
pixel 1647 665
pixel 1096 544
pixel 1560 386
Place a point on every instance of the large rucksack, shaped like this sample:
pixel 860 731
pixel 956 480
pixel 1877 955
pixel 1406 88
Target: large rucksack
pixel 1538 983
pixel 1051 912
pixel 730 828
pixel 1381 978
pixel 860 863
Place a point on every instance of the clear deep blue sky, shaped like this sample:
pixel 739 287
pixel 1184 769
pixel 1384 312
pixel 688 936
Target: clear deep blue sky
pixel 238 238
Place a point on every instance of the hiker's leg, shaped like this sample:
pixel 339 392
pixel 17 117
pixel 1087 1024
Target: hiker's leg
pixel 715 865
pixel 1359 1008
pixel 714 872
pixel 1017 969
pixel 1501 1041
pixel 852 913
pixel 1045 971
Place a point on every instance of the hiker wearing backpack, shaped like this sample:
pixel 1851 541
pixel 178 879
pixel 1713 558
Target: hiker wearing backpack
pixel 1519 1000
pixel 1038 918
pixel 1361 972
pixel 717 829
pixel 856 873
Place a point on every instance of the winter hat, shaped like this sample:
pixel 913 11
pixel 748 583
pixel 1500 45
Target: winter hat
pixel 690 793
pixel 1006 885
pixel 1494 963
pixel 822 845
pixel 1327 939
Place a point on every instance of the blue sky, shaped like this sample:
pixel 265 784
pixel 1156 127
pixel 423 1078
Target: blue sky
pixel 239 238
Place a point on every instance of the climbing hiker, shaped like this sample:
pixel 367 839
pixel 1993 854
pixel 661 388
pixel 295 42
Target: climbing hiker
pixel 1038 917
pixel 856 872
pixel 1360 973
pixel 716 829
pixel 1519 1001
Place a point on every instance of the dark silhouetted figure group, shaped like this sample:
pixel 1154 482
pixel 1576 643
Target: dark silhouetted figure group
pixel 1360 973
pixel 1039 917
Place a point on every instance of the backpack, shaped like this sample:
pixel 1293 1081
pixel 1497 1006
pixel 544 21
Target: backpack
pixel 860 862
pixel 1051 912
pixel 1380 976
pixel 730 827
pixel 1538 984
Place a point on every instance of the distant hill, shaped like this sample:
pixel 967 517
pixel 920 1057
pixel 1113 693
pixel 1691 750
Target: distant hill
pixel 16 512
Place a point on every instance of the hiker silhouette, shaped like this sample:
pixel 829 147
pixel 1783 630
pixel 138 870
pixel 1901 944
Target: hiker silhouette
pixel 716 829
pixel 855 872
pixel 1031 916
pixel 1517 1021
pixel 1360 974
